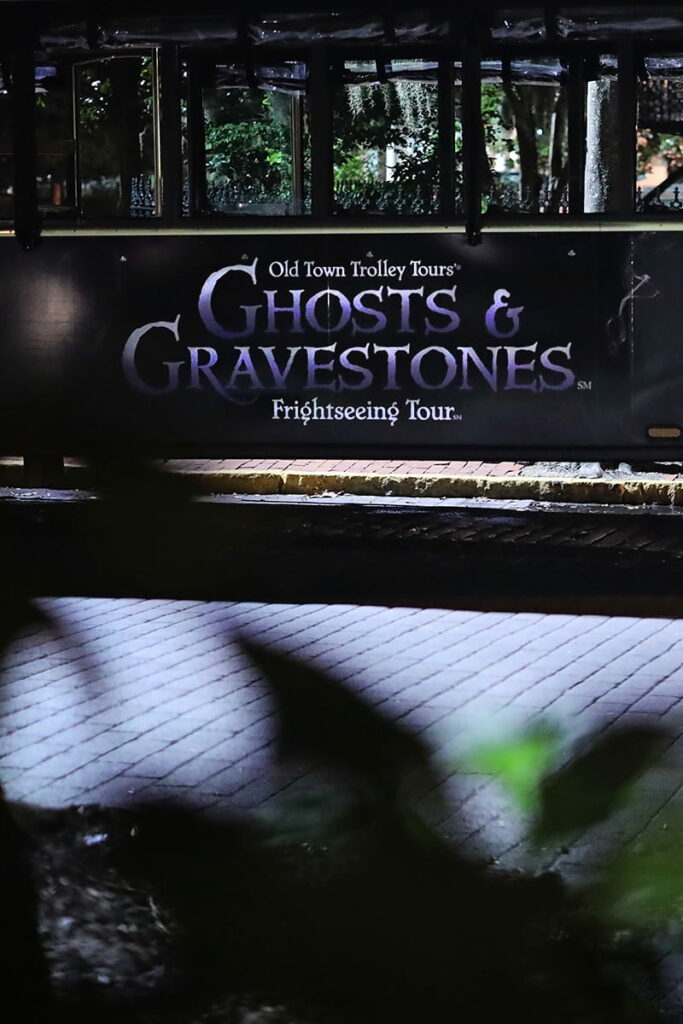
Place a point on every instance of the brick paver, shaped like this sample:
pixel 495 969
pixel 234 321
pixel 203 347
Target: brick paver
pixel 129 699
pixel 414 467
pixel 384 466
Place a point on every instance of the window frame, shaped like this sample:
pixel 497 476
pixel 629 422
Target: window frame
pixel 321 60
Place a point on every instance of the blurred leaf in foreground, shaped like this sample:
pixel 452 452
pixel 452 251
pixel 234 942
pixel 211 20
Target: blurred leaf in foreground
pixel 320 718
pixel 23 965
pixel 595 784
pixel 17 612
pixel 520 762
pixel 643 886
pixel 648 887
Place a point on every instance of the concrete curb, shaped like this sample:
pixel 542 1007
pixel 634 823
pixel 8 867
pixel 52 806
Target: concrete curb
pixel 630 491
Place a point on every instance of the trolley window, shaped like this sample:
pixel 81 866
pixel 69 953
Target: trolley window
pixel 472 121
pixel 524 117
pixel 246 138
pixel 659 135
pixel 386 140
pixel 116 147
pixel 54 140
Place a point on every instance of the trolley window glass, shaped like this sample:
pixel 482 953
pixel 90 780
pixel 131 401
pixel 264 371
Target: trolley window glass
pixel 659 136
pixel 386 140
pixel 524 117
pixel 55 147
pixel 246 139
pixel 115 114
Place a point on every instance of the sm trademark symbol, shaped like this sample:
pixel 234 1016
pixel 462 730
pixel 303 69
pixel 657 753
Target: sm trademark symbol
pixel 584 385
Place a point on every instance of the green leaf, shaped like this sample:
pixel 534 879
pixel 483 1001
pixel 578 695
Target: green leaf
pixel 520 762
pixel 644 887
pixel 597 783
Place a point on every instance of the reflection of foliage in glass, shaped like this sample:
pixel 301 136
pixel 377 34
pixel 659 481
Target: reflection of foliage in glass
pixel 370 119
pixel 525 136
pixel 374 124
pixel 95 92
pixel 399 119
pixel 653 146
pixel 146 86
pixel 660 100
pixel 248 142
pixel 100 132
pixel 498 123
pixel 116 136
pixel 53 108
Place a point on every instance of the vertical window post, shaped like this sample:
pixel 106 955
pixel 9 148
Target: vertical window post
pixel 76 129
pixel 26 216
pixel 626 121
pixel 196 143
pixel 576 142
pixel 171 139
pixel 472 132
pixel 446 135
pixel 297 136
pixel 320 106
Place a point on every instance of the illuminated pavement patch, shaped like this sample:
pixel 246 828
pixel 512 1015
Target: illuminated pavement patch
pixel 141 699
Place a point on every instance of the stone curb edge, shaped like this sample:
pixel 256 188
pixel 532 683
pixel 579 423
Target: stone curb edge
pixel 630 491
pixel 612 492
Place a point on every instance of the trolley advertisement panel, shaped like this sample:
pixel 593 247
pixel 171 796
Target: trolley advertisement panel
pixel 345 342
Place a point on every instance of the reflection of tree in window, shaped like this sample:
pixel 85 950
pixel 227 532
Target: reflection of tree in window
pixel 116 137
pixel 6 156
pixel 659 137
pixel 54 139
pixel 248 150
pixel 386 141
pixel 525 136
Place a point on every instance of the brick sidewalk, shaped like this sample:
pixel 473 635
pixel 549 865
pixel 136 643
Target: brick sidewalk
pixel 138 699
pixel 388 467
